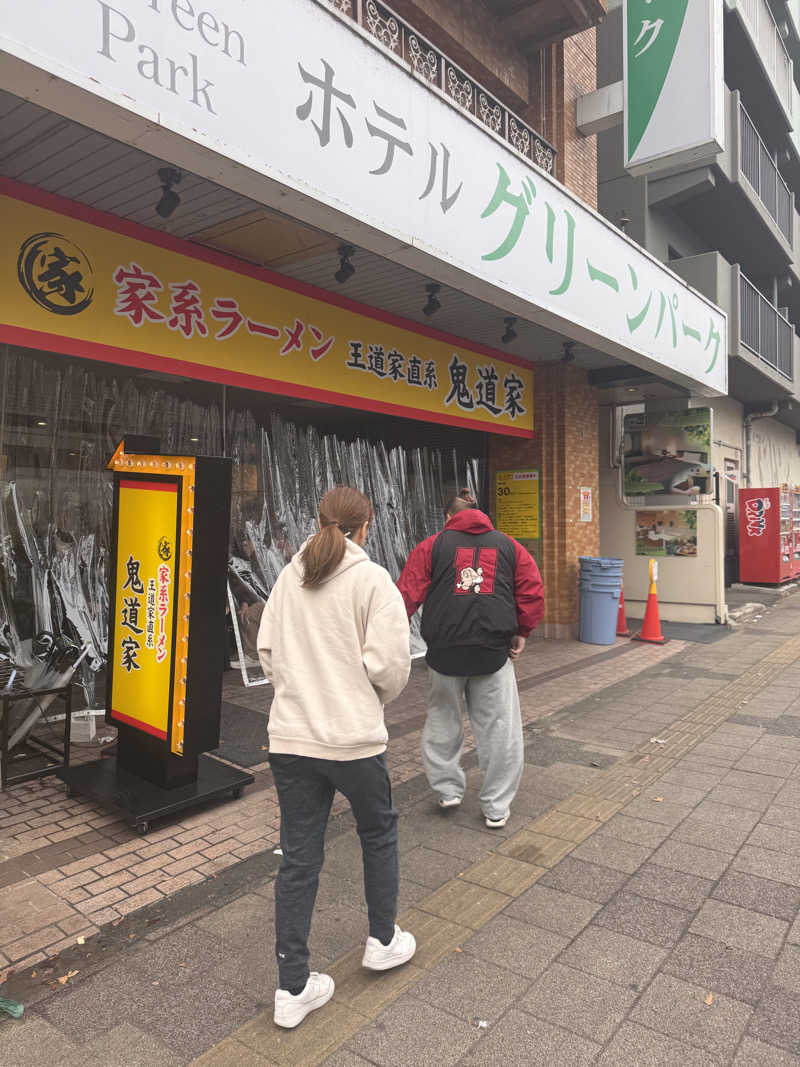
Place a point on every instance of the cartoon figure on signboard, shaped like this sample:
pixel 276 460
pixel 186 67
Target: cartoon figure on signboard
pixel 471 579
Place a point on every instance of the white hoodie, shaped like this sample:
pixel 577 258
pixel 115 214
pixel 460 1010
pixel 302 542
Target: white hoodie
pixel 335 655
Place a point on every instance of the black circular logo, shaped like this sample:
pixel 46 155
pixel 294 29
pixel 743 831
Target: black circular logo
pixel 56 273
pixel 165 549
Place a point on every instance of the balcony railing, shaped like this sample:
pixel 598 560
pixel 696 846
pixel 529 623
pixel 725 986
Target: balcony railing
pixel 435 67
pixel 760 170
pixel 767 333
pixel 770 47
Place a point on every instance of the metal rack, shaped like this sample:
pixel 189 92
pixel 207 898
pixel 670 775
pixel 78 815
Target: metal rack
pixel 32 747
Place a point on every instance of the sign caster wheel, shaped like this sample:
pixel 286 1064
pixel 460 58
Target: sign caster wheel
pixel 236 792
pixel 142 827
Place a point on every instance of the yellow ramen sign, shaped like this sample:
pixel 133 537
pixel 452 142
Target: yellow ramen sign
pixel 83 283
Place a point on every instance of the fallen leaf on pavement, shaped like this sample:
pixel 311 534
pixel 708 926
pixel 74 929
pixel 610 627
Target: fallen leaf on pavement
pixel 34 974
pixel 81 940
pixel 710 998
pixel 659 800
pixel 66 977
pixel 457 949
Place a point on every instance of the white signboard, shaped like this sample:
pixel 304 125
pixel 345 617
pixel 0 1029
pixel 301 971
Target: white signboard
pixel 294 94
pixel 674 88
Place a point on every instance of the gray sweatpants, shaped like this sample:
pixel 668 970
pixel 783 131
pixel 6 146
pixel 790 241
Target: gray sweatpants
pixel 492 703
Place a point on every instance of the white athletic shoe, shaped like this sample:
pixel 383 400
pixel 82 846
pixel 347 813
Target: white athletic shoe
pixel 290 1011
pixel 401 948
pixel 496 824
pixel 449 802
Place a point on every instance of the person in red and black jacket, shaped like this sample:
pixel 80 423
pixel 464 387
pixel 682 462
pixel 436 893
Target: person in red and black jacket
pixel 482 596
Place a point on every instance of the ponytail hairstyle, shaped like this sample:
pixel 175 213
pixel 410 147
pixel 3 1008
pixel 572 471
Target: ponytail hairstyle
pixel 464 500
pixel 342 512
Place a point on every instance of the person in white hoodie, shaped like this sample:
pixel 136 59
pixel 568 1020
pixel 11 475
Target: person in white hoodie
pixel 334 642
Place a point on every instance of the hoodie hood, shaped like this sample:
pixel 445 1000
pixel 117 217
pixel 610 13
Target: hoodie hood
pixel 353 555
pixel 470 521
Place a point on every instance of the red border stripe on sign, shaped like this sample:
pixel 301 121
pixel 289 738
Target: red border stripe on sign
pixel 146 727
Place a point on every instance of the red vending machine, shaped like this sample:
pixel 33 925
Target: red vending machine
pixel 766 536
pixel 796 530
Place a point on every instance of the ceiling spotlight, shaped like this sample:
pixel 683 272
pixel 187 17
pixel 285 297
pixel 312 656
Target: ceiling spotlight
pixel 346 269
pixel 433 303
pixel 168 176
pixel 194 440
pixel 41 422
pixel 510 334
pixel 623 221
pixel 569 354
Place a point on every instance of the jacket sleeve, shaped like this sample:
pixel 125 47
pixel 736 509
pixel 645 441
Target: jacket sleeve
pixel 265 635
pixel 386 654
pixel 415 580
pixel 528 591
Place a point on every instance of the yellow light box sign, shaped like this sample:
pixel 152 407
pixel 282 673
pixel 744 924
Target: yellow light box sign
pixel 84 283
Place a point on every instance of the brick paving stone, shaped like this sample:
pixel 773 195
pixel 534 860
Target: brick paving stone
pixel 634 1046
pixel 519 1039
pixel 100 902
pixel 614 956
pixel 470 988
pixel 580 1002
pixel 691 859
pixel 776 1020
pixel 552 910
pixel 413 1032
pixel 584 880
pixel 526 950
pixel 608 851
pixel 720 968
pixel 678 1009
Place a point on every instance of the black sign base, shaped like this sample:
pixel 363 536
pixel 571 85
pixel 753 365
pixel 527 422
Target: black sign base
pixel 140 801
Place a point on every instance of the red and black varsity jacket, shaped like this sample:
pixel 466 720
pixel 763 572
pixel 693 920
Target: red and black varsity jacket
pixel 479 586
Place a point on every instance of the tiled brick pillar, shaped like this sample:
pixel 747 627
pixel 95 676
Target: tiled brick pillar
pixel 565 448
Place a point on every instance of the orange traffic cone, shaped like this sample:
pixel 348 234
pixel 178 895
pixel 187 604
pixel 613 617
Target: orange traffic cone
pixel 651 626
pixel 622 622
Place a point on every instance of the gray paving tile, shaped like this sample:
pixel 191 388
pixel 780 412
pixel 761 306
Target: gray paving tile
pixel 777 815
pixel 692 779
pixel 236 922
pixel 614 956
pixel 636 831
pixel 765 863
pixel 460 841
pixel 32 1041
pixel 786 975
pixel 681 890
pixel 583 1003
pixel 409 1031
pixel 345 1058
pixel 678 1009
pixel 584 880
pixel 128 1046
pixel 779 839
pixel 764 765
pixel 725 815
pixel 633 1046
pixel 740 798
pixel 691 859
pixel 662 812
pixel 776 1021
pixel 759 894
pixel 789 795
pixel 756 1052
pixel 470 988
pixel 721 838
pixel 520 1040
pixel 551 909
pixel 336 930
pixel 610 852
pixel 524 949
pixel 644 919
pixel 718 967
pixel 740 927
pixel 429 868
pixel 184 956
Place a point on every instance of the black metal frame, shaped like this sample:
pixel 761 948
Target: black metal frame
pixel 58 760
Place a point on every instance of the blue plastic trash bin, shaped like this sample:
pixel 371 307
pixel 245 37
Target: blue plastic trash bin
pixel 600 586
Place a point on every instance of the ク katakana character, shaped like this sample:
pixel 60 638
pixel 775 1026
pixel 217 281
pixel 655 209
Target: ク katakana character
pixel 514 387
pixel 137 292
pixel 396 361
pixel 130 614
pixel 377 360
pixel 329 94
pixel 392 142
pixel 187 311
pixel 566 281
pixel 225 309
pixel 319 350
pixel 519 201
pixel 713 336
pixel 294 337
pixel 486 389
pixel 55 278
pixel 447 199
pixel 651 26
pixel 414 371
pixel 130 651
pixel 459 390
pixel 133 581
pixel 431 380
pixel 356 360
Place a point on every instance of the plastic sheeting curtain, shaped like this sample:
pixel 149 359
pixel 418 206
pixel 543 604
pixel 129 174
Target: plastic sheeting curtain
pixel 60 420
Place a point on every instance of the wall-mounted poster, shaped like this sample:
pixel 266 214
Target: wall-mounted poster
pixel 517 506
pixel 667 454
pixel 666 533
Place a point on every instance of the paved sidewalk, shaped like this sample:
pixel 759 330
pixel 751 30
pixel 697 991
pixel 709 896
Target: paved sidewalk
pixel 69 868
pixel 640 908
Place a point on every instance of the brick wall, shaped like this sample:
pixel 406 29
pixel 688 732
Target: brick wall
pixel 565 448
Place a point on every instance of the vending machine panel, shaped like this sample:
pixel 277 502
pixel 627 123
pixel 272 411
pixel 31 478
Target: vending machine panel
pixel 766 535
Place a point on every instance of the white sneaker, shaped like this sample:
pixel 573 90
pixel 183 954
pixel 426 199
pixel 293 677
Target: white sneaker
pixel 401 948
pixel 449 802
pixel 496 824
pixel 290 1011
